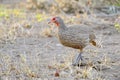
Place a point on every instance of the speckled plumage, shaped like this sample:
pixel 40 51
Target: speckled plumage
pixel 76 37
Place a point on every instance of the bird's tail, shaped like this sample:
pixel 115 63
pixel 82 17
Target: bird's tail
pixel 92 40
pixel 93 43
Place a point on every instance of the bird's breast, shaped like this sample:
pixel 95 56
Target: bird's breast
pixel 71 40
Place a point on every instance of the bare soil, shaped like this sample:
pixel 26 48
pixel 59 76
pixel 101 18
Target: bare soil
pixel 33 55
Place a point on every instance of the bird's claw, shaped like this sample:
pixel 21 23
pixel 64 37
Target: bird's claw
pixel 77 60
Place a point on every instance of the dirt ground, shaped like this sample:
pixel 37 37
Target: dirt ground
pixel 30 50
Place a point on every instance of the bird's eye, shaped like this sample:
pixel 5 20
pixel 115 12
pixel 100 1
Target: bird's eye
pixel 54 19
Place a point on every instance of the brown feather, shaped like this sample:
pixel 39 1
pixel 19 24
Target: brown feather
pixel 93 43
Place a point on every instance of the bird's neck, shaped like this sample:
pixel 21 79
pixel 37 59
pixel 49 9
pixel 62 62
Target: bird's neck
pixel 62 27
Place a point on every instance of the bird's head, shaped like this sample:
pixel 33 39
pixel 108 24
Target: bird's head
pixel 57 21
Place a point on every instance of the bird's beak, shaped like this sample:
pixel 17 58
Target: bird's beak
pixel 49 21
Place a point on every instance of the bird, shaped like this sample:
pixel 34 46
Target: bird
pixel 77 37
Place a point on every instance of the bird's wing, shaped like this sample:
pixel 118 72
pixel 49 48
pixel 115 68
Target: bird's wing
pixel 83 29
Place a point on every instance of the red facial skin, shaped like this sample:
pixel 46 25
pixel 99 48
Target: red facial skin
pixel 55 21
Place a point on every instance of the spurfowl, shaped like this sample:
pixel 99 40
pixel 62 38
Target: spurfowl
pixel 77 37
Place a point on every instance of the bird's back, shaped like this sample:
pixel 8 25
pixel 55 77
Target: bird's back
pixel 75 36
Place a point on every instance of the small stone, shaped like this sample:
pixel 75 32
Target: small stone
pixel 57 73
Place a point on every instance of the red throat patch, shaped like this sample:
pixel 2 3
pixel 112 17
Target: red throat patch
pixel 57 23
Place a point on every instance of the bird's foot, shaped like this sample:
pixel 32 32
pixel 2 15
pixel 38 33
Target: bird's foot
pixel 78 60
pixel 76 64
pixel 81 63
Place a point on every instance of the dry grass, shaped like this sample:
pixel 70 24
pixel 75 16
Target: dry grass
pixel 46 32
pixel 19 63
pixel 2 32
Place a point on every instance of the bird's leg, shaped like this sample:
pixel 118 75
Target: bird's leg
pixel 77 59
